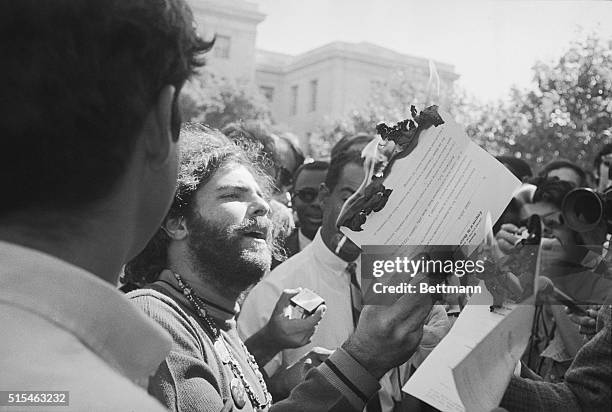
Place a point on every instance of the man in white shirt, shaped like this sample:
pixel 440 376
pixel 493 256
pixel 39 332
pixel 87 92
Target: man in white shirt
pixel 327 271
pixel 88 168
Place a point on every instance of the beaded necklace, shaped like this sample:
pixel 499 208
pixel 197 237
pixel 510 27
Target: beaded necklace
pixel 226 356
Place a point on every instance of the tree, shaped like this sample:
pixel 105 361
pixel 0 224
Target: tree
pixel 566 114
pixel 215 100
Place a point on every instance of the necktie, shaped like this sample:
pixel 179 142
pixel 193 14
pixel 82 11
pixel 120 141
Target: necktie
pixel 373 404
pixel 356 299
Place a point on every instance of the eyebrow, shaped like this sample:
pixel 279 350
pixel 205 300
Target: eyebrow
pixel 238 188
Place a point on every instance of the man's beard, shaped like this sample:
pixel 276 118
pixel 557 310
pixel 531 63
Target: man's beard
pixel 219 257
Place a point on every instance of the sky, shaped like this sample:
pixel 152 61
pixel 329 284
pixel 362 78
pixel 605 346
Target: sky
pixel 492 44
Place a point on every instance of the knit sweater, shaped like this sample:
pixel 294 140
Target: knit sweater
pixel 193 378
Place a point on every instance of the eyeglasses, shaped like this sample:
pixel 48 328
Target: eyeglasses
pixel 307 195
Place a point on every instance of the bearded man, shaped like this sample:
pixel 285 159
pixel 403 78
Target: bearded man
pixel 214 244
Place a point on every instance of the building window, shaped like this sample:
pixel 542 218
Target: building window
pixel 313 95
pixel 222 47
pixel 294 100
pixel 268 92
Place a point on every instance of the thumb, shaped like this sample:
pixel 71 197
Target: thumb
pixel 317 315
pixel 285 298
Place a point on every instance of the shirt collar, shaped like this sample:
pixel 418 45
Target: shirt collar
pixel 217 306
pixel 303 241
pixel 326 257
pixel 86 306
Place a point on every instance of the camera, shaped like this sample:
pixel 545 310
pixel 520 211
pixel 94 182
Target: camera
pixel 584 209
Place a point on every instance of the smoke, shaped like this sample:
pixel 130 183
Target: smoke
pixel 433 85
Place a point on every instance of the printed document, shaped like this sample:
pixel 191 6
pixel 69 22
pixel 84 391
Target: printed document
pixel 441 193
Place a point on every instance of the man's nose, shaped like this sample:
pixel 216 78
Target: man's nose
pixel 259 207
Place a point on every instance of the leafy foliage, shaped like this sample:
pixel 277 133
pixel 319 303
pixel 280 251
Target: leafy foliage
pixel 215 101
pixel 566 113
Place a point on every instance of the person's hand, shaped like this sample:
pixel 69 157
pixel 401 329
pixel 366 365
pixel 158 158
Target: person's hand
pixel 283 381
pixel 281 332
pixel 507 237
pixel 388 336
pixel 587 323
pixel 291 333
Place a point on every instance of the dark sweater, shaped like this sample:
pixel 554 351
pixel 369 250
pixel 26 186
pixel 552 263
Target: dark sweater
pixel 193 378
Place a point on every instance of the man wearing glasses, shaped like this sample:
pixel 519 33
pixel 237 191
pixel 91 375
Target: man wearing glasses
pixel 306 205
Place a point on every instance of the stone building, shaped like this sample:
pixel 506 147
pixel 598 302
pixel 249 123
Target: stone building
pixel 311 88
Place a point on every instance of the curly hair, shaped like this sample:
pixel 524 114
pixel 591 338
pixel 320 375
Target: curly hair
pixel 80 78
pixel 203 152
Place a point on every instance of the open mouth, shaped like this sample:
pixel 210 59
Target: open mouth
pixel 256 234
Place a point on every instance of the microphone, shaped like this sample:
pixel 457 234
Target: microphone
pixel 546 287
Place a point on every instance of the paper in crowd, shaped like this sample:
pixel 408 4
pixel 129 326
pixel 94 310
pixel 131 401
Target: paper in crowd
pixel 441 193
pixel 471 367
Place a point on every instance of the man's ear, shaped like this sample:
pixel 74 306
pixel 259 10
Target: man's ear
pixel 176 228
pixel 158 134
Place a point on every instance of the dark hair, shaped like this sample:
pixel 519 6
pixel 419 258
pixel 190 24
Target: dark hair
pixel 314 165
pixel 337 164
pixel 518 167
pixel 258 136
pixel 348 141
pixel 564 164
pixel 605 150
pixel 269 147
pixel 551 190
pixel 203 152
pixel 298 154
pixel 79 79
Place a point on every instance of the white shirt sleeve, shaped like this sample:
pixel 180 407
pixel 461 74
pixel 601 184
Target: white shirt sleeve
pixel 255 314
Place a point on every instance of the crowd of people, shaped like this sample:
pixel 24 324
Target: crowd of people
pixel 150 265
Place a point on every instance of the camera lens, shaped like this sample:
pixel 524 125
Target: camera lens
pixel 582 209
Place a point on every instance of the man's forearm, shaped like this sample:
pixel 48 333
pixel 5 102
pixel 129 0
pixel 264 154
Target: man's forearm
pixel 262 346
pixel 339 384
